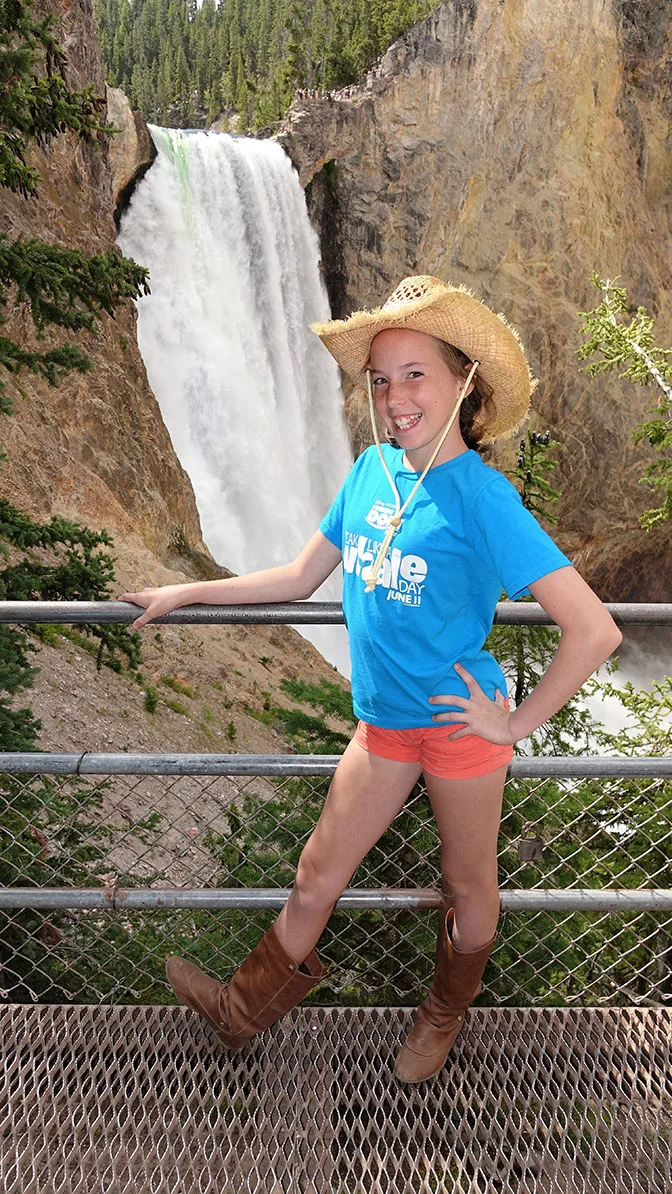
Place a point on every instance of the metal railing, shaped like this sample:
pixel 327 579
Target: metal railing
pixel 294 613
pixel 111 861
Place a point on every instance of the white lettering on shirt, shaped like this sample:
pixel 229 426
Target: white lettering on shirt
pixel 402 575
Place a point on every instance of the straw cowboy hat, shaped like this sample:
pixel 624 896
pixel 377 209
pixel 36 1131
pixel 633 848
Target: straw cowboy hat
pixel 454 314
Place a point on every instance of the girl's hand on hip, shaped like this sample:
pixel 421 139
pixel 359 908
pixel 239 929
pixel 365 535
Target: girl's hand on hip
pixel 488 719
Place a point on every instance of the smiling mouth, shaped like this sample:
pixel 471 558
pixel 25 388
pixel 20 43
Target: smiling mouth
pixel 405 422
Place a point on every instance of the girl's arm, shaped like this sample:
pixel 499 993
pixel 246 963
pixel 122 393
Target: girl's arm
pixel 288 582
pixel 588 637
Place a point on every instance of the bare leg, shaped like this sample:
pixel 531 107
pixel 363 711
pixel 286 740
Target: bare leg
pixel 468 813
pixel 365 796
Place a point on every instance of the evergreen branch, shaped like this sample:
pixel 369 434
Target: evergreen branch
pixel 632 349
pixel 55 279
pixel 619 342
pixel 52 365
pixel 18 529
pixel 14 172
pixel 35 100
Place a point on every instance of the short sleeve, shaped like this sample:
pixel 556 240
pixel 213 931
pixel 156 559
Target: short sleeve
pixel 509 539
pixel 331 525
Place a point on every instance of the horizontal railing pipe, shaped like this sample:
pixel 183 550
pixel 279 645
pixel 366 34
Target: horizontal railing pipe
pixel 521 767
pixel 352 899
pixel 296 613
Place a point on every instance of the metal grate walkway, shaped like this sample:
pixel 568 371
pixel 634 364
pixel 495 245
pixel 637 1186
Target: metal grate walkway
pixel 139 1100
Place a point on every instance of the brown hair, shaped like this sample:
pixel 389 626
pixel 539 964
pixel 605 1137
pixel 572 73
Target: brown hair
pixel 478 406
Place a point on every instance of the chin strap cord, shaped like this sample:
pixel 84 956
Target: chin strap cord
pixel 370 575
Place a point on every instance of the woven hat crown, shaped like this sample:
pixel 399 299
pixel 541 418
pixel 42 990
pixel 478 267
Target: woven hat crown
pixel 414 288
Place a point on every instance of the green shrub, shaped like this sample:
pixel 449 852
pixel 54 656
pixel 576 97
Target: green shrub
pixel 327 696
pixel 178 686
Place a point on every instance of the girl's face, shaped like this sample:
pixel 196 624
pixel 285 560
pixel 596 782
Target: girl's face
pixel 415 392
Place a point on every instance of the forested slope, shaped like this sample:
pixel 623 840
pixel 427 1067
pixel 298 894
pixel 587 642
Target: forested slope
pixel 181 65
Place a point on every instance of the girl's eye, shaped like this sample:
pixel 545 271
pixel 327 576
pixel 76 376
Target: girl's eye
pixel 415 373
pixel 376 380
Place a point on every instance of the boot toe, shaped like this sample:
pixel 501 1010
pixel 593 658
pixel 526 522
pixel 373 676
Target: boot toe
pixel 194 988
pixel 417 1067
pixel 204 995
pixel 174 966
pixel 181 975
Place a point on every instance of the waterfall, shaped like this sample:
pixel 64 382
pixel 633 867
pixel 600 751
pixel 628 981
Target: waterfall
pixel 250 397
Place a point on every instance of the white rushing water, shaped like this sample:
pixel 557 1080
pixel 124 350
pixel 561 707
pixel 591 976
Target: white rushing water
pixel 249 395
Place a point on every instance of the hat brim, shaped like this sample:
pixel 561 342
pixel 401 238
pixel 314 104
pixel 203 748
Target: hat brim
pixel 457 316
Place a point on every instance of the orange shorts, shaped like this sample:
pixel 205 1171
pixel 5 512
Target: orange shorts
pixel 433 748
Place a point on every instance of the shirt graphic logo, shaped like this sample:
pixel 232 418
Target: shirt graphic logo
pixel 403 576
pixel 380 514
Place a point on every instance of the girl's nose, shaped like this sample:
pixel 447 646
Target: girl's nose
pixel 393 396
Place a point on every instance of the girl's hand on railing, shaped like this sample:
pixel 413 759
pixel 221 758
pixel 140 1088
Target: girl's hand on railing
pixel 156 602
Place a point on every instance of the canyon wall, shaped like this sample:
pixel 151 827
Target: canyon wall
pixel 516 147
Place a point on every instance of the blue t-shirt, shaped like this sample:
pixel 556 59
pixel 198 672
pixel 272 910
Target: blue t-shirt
pixel 465 536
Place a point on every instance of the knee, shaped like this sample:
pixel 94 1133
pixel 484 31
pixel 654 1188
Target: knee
pixel 315 882
pixel 465 882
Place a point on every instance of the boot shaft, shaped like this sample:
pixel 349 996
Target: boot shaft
pixel 457 977
pixel 268 984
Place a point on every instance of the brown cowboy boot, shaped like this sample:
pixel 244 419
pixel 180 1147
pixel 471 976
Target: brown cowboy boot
pixel 266 985
pixel 456 982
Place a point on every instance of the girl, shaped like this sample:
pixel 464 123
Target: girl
pixel 428 535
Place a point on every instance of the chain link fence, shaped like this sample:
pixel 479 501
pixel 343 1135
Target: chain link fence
pixel 109 863
pixel 140 846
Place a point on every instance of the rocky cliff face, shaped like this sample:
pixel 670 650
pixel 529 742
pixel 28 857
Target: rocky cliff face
pixel 94 448
pixel 516 147
pixel 131 150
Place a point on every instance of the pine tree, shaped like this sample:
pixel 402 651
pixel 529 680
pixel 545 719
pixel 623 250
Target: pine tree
pixel 526 651
pixel 283 44
pixel 337 69
pixel 295 68
pixel 242 93
pixel 363 44
pixel 319 34
pixel 165 94
pixel 182 86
